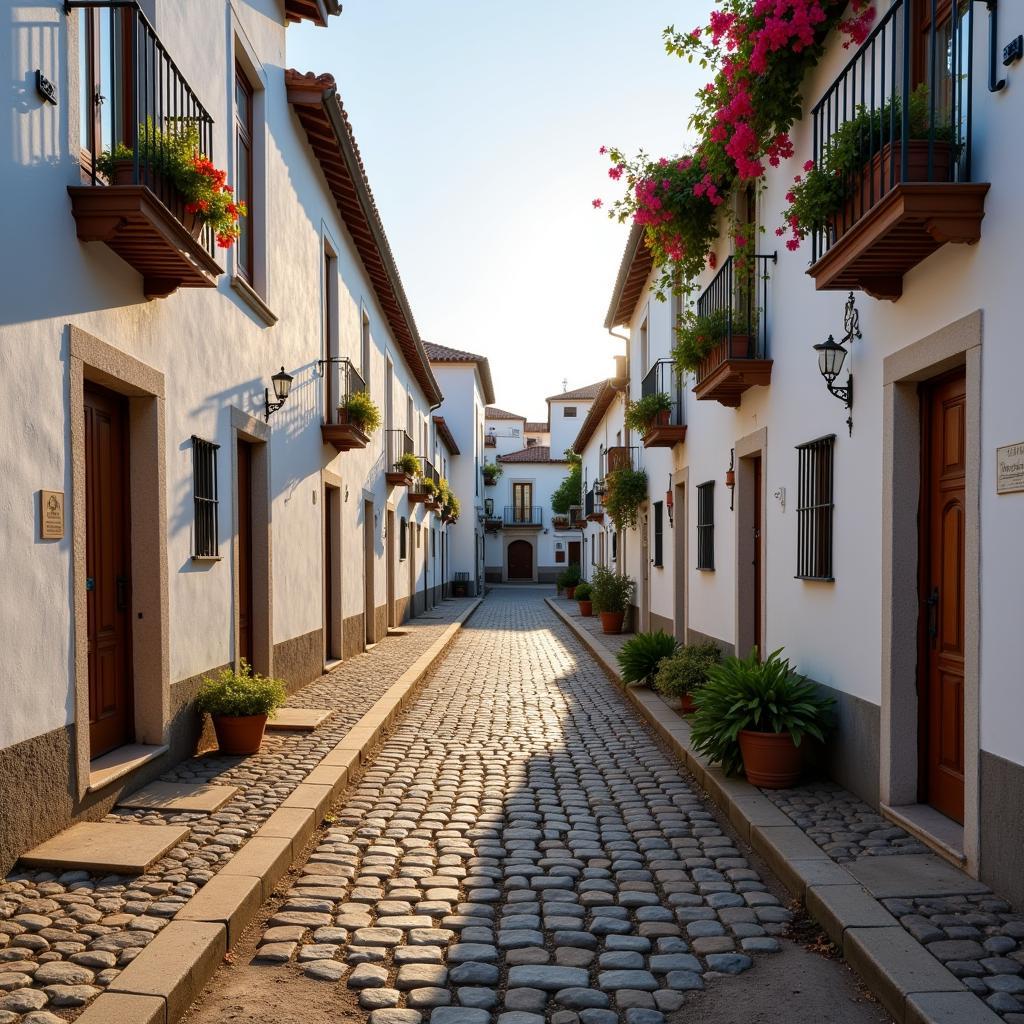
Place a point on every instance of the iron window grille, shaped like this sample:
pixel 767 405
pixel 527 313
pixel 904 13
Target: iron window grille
pixel 659 520
pixel 814 509
pixel 706 526
pixel 403 540
pixel 206 543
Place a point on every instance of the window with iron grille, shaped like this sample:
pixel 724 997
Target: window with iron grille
pixel 659 509
pixel 814 507
pixel 204 496
pixel 403 539
pixel 615 546
pixel 706 525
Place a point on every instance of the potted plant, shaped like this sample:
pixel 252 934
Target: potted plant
pixel 239 702
pixel 582 596
pixel 680 676
pixel 649 411
pixel 491 472
pixel 408 464
pixel 610 594
pixel 626 492
pixel 722 331
pixel 640 656
pixel 756 714
pixel 567 580
pixel 361 411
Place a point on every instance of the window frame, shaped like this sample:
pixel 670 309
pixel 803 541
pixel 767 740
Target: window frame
pixel 205 505
pixel 245 247
pixel 658 530
pixel 815 510
pixel 569 412
pixel 706 526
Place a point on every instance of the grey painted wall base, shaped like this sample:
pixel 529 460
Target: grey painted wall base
pixel 660 622
pixel 1002 830
pixel 300 660
pixel 697 637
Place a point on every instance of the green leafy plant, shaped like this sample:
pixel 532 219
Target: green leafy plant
pixel 569 492
pixel 243 692
pixel 362 411
pixel 582 592
pixel 640 656
pixel 627 491
pixel 569 576
pixel 610 591
pixel 641 414
pixel 687 670
pixel 408 464
pixel 174 153
pixel 697 336
pixel 491 472
pixel 745 693
pixel 429 486
pixel 453 507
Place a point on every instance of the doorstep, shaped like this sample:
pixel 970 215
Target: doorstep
pixel 935 830
pixel 914 986
pixel 121 762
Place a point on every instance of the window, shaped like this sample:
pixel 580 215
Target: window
pixel 243 171
pixel 569 412
pixel 364 351
pixel 658 533
pixel 559 557
pixel 204 496
pixel 814 506
pixel 615 545
pixel 403 539
pixel 706 526
pixel 644 348
pixel 330 331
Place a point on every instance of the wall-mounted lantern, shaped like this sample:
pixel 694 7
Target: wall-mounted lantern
pixel 832 355
pixel 730 478
pixel 282 387
pixel 670 502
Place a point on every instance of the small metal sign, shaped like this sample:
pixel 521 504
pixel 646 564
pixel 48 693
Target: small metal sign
pixel 46 88
pixel 1010 468
pixel 51 515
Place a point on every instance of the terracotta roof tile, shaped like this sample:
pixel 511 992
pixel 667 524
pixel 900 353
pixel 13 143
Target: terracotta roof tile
pixel 537 427
pixel 594 417
pixel 445 433
pixel 492 412
pixel 538 453
pixel 316 11
pixel 589 391
pixel 634 270
pixel 444 354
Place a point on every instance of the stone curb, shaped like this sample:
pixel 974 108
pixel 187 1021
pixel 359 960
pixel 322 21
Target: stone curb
pixel 909 982
pixel 160 984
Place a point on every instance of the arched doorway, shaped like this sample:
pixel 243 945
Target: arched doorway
pixel 520 560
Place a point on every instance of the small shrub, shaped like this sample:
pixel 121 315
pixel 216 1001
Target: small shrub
pixel 610 591
pixel 627 491
pixel 687 671
pixel 491 472
pixel 244 692
pixel 569 576
pixel 644 411
pixel 362 411
pixel 640 656
pixel 408 464
pixel 582 592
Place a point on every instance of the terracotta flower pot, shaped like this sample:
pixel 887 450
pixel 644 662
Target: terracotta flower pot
pixel 770 759
pixel 239 734
pixel 611 622
pixel 686 704
pixel 661 419
pixel 460 589
pixel 569 591
pixel 586 609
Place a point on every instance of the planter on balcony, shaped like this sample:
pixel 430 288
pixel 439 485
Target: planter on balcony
pixel 662 433
pixel 344 434
pixel 728 370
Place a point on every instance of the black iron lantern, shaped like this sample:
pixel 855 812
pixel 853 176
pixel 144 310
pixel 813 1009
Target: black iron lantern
pixel 282 388
pixel 832 355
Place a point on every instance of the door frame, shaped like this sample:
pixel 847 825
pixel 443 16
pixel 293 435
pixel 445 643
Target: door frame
pixel 509 541
pixel 957 344
pixel 369 573
pixel 645 568
pixel 680 569
pixel 93 360
pixel 391 563
pixel 331 489
pixel 749 601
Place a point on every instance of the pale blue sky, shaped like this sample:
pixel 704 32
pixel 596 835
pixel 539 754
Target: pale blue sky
pixel 479 125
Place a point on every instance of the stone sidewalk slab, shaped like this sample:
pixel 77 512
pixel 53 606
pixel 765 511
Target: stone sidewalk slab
pixel 920 875
pixel 229 900
pixel 299 719
pixel 100 847
pixel 121 1008
pixel 180 796
pixel 949 1008
pixel 839 907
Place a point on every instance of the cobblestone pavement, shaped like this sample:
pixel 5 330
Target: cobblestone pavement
pixel 521 845
pixel 979 938
pixel 65 937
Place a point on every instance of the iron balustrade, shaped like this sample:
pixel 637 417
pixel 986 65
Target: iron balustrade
pixel 738 295
pixel 592 505
pixel 663 379
pixel 523 515
pixel 149 107
pixel 931 51
pixel 619 457
pixel 427 472
pixel 342 381
pixel 399 443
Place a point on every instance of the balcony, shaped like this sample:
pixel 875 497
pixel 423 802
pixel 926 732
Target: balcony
pixel 490 441
pixel 670 427
pixel 593 510
pixel 576 520
pixel 618 457
pixel 905 100
pixel 136 209
pixel 425 487
pixel 528 517
pixel 737 302
pixel 399 444
pixel 491 520
pixel 342 382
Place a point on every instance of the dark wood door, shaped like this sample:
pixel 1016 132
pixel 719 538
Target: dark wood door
pixel 332 581
pixel 108 571
pixel 245 567
pixel 757 554
pixel 942 522
pixel 520 560
pixel 575 558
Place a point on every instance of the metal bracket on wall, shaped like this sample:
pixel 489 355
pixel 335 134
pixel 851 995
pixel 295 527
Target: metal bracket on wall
pixel 994 85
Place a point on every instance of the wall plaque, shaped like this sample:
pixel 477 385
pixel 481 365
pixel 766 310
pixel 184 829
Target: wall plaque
pixel 1010 468
pixel 51 515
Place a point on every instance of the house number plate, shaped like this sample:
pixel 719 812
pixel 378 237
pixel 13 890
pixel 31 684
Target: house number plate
pixel 1010 468
pixel 51 515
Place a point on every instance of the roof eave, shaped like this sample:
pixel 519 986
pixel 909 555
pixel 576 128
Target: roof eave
pixel 617 316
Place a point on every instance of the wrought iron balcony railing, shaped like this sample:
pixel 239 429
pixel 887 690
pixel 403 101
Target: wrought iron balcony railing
pixel 341 381
pixel 592 504
pixel 398 443
pixel 619 457
pixel 737 299
pixel 523 515
pixel 662 379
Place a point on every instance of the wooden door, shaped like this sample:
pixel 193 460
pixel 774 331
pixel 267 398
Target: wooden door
pixel 332 573
pixel 108 571
pixel 522 500
pixel 757 554
pixel 942 522
pixel 575 558
pixel 369 610
pixel 245 566
pixel 645 574
pixel 391 556
pixel 520 560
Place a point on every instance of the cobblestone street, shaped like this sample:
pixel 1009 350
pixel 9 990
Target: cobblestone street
pixel 522 848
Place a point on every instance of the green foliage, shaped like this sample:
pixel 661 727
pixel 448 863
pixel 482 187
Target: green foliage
pixel 610 591
pixel 570 491
pixel 429 487
pixel 696 337
pixel 408 464
pixel 491 472
pixel 582 592
pixel 626 492
pixel 744 693
pixel 362 411
pixel 244 692
pixel 687 671
pixel 640 656
pixel 644 411
pixel 569 576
